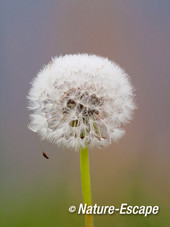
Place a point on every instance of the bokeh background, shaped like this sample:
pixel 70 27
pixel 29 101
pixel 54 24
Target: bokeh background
pixel 35 192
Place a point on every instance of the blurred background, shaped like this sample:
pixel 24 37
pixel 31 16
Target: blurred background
pixel 36 192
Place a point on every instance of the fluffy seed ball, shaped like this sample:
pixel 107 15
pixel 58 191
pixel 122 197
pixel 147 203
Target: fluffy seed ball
pixel 80 99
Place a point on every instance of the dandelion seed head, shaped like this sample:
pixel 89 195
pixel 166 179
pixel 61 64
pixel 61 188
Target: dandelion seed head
pixel 80 99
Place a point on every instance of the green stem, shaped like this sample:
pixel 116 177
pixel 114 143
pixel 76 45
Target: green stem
pixel 85 182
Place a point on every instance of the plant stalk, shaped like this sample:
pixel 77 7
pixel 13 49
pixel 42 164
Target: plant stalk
pixel 85 182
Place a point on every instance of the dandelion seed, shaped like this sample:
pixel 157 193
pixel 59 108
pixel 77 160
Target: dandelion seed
pixel 45 155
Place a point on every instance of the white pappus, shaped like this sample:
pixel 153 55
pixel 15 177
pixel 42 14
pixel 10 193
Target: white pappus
pixel 79 100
